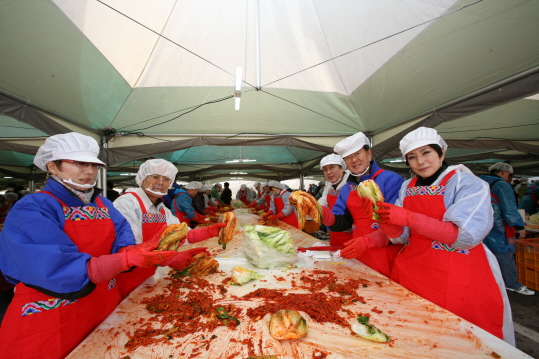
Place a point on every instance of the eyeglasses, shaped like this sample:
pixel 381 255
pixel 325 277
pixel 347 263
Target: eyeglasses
pixel 158 178
pixel 83 165
pixel 354 155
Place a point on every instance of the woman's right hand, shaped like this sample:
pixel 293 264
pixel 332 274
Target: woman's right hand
pixel 143 255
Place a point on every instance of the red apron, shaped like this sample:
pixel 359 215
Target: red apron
pixel 510 231
pixel 268 200
pixel 152 223
pixel 460 281
pixel 38 326
pixel 182 216
pixel 380 258
pixel 291 219
pixel 336 238
pixel 243 196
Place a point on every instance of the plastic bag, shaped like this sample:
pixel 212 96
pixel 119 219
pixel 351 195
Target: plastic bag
pixel 268 247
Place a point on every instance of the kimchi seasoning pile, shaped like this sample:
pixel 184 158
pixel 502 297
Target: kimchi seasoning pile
pixel 190 305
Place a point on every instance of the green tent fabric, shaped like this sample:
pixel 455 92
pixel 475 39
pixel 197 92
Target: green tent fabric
pixel 156 79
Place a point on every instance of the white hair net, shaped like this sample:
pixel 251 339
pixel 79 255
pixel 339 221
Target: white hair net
pixel 256 184
pixel 276 184
pixel 501 166
pixel 243 186
pixel 67 146
pixel 420 137
pixel 218 185
pixel 332 159
pixel 193 185
pixel 156 167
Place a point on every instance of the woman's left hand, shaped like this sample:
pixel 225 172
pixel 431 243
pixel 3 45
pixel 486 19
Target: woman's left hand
pixel 391 214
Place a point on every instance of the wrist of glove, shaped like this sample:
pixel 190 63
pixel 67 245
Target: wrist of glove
pixel 269 213
pixel 391 230
pixel 201 234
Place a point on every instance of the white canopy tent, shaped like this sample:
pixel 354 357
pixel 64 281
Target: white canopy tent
pixel 156 79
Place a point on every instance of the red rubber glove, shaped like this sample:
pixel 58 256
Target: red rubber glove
pixel 357 246
pixel 201 234
pixel 328 218
pixel 276 217
pixel 268 213
pixel 106 267
pixel 199 218
pixel 260 208
pixel 143 255
pixel 391 230
pixel 252 205
pixel 184 258
pixel 367 205
pixel 391 214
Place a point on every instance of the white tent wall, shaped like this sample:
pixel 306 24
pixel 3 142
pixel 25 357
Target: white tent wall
pixel 155 78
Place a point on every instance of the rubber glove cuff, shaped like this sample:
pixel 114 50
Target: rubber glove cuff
pixel 328 218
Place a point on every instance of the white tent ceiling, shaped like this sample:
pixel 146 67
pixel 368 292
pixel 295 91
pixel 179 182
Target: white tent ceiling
pixel 155 79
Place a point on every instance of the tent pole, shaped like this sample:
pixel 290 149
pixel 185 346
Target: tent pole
pixel 32 183
pixel 301 177
pixel 258 81
pixel 102 178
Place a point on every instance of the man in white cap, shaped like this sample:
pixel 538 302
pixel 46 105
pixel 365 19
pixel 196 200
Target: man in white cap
pixel 264 201
pixel 508 225
pixel 336 176
pixel 144 210
pixel 354 211
pixel 256 194
pixel 443 215
pixel 243 194
pixel 68 243
pixel 182 204
pixel 216 196
pixel 280 207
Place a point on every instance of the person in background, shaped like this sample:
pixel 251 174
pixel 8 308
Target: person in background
pixel 263 203
pixel 209 202
pixel 7 202
pixel 148 217
pixel 529 201
pixel 182 206
pixel 62 248
pixel 112 194
pixel 442 216
pixel 243 194
pixel 319 190
pixel 169 197
pixel 215 194
pixel 280 207
pixel 199 203
pixel 353 211
pixel 508 225
pixel 256 193
pixel 226 196
pixel 336 176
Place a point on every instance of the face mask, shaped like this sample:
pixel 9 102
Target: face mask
pixel 69 181
pixel 361 174
pixel 156 193
pixel 337 181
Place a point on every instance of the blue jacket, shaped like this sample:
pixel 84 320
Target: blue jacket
pixel 389 183
pixel 35 250
pixel 527 203
pixel 505 210
pixel 184 203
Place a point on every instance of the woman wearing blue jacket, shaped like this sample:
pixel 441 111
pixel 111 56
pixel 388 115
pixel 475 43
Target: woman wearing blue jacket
pixel 62 248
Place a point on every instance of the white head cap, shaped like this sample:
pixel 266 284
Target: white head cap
pixel 264 184
pixel 156 167
pixel 332 159
pixel 276 184
pixel 67 146
pixel 243 186
pixel 193 185
pixel 420 137
pixel 257 184
pixel 218 185
pixel 351 144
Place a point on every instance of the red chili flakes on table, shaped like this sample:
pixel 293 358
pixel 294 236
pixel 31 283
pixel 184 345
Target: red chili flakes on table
pixel 376 310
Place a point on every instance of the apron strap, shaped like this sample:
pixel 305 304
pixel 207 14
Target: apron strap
pixel 97 200
pixel 377 173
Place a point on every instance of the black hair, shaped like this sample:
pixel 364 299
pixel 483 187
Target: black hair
pixel 436 148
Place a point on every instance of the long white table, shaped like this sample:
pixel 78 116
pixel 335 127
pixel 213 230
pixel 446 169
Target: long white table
pixel 417 327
